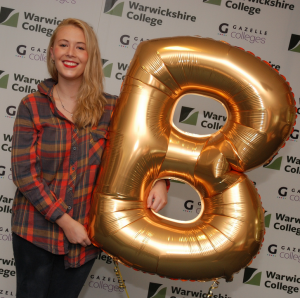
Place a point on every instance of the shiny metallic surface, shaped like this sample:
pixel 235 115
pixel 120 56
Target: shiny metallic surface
pixel 144 145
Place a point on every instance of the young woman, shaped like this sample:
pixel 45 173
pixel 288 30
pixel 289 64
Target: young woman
pixel 59 137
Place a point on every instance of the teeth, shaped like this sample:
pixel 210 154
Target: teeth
pixel 70 63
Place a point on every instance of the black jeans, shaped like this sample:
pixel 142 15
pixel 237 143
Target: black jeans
pixel 41 274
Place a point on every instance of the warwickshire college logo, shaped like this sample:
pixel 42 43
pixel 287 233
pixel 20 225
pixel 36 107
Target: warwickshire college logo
pixel 293 164
pixel 8 18
pixel 294 45
pixel 3 79
pixel 113 9
pixel 107 68
pixel 267 219
pixel 275 164
pixel 155 292
pixel 146 14
pixel 251 279
pixel 215 2
pixel 187 117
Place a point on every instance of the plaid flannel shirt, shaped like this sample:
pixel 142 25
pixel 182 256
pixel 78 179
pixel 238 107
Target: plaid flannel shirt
pixel 54 166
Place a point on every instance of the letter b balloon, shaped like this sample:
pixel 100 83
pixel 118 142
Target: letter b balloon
pixel 144 145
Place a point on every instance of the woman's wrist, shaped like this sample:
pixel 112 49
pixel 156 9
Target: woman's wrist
pixel 64 220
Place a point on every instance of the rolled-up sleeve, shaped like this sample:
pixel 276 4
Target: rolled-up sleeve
pixel 26 168
pixel 168 184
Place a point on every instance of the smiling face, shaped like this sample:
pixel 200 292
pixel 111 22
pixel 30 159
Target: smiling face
pixel 69 53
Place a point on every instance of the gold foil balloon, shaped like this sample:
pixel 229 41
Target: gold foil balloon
pixel 144 145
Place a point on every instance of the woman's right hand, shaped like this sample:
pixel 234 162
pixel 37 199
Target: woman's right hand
pixel 74 231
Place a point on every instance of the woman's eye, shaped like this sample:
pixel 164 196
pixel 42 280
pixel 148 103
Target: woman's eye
pixel 63 45
pixel 81 48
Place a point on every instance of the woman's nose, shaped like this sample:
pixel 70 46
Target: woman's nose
pixel 71 51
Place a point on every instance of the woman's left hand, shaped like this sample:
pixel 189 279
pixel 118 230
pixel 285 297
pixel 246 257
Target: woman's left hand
pixel 158 196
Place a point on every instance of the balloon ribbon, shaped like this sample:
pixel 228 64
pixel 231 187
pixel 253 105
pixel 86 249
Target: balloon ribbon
pixel 119 276
pixel 213 286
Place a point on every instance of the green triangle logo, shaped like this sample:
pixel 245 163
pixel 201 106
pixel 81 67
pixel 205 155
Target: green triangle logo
pixel 296 49
pixel 192 120
pixel 114 11
pixel 294 45
pixel 267 220
pixel 4 81
pixel 7 18
pixel 215 2
pixel 12 21
pixel 275 165
pixel 161 293
pixel 107 70
pixel 255 281
pixel 177 181
pixel 248 279
pixel 153 291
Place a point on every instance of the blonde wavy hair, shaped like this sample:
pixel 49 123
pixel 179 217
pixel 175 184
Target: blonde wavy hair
pixel 90 97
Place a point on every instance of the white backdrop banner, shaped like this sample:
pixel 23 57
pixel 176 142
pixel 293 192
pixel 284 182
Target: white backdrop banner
pixel 268 28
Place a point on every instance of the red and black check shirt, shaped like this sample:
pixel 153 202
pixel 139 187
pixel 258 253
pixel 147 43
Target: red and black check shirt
pixel 54 166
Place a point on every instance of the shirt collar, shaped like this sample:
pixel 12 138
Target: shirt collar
pixel 46 87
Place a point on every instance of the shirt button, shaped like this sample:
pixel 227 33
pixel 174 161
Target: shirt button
pixel 73 168
pixel 69 207
pixel 70 188
pixel 74 148
pixel 75 129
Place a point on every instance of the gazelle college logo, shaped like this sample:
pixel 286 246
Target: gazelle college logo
pixel 8 18
pixel 112 9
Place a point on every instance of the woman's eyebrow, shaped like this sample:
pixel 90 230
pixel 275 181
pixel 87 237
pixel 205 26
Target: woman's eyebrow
pixel 68 41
